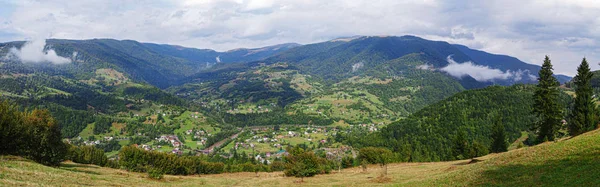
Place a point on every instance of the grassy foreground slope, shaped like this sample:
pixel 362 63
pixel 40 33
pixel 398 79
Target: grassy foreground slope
pixel 572 162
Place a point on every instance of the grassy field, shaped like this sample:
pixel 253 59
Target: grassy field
pixel 571 162
pixel 337 105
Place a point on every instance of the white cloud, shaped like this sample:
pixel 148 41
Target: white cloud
pixel 527 29
pixel 482 73
pixel 35 52
pixel 425 67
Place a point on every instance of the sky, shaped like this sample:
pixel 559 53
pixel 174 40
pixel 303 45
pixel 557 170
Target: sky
pixel 565 30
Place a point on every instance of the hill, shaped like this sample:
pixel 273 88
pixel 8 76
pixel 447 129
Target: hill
pixel 138 92
pixel 429 134
pixel 569 162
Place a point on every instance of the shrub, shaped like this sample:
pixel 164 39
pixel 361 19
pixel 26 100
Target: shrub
pixel 155 174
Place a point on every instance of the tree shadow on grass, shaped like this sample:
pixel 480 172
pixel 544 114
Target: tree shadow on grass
pixel 576 170
pixel 68 165
pixel 74 168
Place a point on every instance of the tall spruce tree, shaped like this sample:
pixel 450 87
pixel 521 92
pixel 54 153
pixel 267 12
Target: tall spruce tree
pixel 546 105
pixel 499 143
pixel 583 117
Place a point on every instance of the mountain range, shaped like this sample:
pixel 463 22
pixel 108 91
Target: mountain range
pixel 361 79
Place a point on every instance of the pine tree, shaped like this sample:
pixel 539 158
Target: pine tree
pixel 499 143
pixel 461 146
pixel 583 117
pixel 546 105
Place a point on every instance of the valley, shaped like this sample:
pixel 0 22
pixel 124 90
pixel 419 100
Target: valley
pixel 200 116
pixel 299 93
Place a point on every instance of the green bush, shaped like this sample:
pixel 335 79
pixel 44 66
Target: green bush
pixel 155 174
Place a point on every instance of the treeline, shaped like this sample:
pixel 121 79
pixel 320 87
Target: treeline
pixel 135 159
pixel 152 94
pixel 89 155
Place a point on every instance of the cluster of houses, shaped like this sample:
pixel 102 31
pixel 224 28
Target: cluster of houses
pixel 95 142
pixel 148 147
pixel 198 135
pixel 262 160
pixel 258 109
pixel 371 127
pixel 91 142
pixel 177 151
pixel 174 140
pixel 269 155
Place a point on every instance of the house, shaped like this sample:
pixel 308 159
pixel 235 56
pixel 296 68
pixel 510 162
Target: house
pixel 176 144
pixel 261 160
pixel 146 147
pixel 177 151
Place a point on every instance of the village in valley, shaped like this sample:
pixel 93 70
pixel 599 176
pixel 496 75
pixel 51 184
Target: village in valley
pixel 191 134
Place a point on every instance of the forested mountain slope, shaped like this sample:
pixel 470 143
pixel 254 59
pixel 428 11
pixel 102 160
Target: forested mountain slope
pixel 342 58
pixel 430 133
pixel 159 65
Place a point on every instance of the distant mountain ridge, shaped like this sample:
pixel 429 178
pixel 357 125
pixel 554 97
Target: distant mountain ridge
pixel 346 57
pixel 164 65
pixel 158 64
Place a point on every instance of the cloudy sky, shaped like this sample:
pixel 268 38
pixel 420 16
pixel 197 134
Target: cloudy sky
pixel 526 29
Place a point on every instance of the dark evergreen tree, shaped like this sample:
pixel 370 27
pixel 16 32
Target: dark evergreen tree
pixel 583 117
pixel 546 104
pixel 499 143
pixel 461 146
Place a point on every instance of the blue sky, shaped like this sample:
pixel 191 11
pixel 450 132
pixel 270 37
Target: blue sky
pixel 526 29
